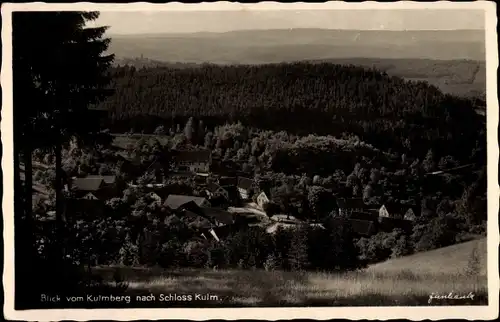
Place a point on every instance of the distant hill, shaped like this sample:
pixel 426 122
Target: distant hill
pixel 452 259
pixel 452 60
pixel 459 77
pixel 273 46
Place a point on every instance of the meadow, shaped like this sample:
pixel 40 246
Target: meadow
pixel 399 282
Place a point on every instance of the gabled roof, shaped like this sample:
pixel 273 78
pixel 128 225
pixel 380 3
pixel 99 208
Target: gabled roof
pixel 352 203
pixel 410 215
pixel 220 215
pixel 176 201
pixel 226 181
pixel 107 179
pixel 394 209
pixel 87 184
pixel 364 215
pixel 193 155
pixel 213 187
pixel 245 183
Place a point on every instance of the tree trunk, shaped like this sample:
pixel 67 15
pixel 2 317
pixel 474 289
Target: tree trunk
pixel 28 194
pixel 59 199
pixel 21 284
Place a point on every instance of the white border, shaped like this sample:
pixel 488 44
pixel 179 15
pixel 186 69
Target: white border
pixel 412 313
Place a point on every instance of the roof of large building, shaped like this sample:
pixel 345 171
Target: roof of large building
pixel 107 179
pixel 176 201
pixel 225 181
pixel 213 187
pixel 220 215
pixel 87 184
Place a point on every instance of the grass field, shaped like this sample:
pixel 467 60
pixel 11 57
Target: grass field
pixel 404 281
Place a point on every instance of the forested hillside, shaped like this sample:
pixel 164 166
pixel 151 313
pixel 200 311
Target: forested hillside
pixel 387 112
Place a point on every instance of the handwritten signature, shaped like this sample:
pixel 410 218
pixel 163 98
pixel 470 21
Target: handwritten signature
pixel 450 296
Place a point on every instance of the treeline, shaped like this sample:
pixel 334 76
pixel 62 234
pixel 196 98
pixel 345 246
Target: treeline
pixel 385 111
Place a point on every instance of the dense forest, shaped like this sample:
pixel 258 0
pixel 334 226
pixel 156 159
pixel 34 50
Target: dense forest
pixel 301 98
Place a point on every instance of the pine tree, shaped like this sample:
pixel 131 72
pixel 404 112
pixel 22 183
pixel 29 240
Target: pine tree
pixel 61 66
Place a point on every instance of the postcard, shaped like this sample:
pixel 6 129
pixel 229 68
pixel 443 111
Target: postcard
pixel 260 161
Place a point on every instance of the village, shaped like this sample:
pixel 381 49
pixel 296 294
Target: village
pixel 228 200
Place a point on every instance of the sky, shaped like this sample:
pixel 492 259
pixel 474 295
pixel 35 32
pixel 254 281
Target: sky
pixel 142 22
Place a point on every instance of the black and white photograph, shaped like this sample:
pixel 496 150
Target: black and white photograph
pixel 269 160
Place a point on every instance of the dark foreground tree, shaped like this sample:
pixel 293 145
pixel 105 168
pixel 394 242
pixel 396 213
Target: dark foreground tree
pixel 59 71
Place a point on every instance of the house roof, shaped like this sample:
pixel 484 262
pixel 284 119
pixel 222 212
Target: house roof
pixel 226 181
pixel 394 209
pixel 107 179
pixel 364 215
pixel 176 201
pixel 213 187
pixel 87 184
pixel 220 215
pixel 197 221
pixel 410 215
pixel 352 203
pixel 245 183
pixel 193 156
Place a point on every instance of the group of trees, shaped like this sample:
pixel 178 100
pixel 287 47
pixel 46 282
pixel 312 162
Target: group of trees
pixel 323 98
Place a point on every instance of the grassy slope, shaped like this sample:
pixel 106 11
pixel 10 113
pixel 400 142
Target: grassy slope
pixel 404 281
pixel 447 260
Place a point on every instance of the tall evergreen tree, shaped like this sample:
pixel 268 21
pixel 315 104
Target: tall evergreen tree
pixel 59 70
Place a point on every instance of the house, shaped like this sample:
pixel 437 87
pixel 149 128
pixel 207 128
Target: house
pixel 365 215
pixel 213 190
pixel 193 161
pixel 99 187
pixel 410 215
pixel 390 211
pixel 262 200
pixel 108 180
pixel 227 181
pixel 218 217
pixel 347 206
pixel 81 187
pixel 245 187
pixel 175 202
